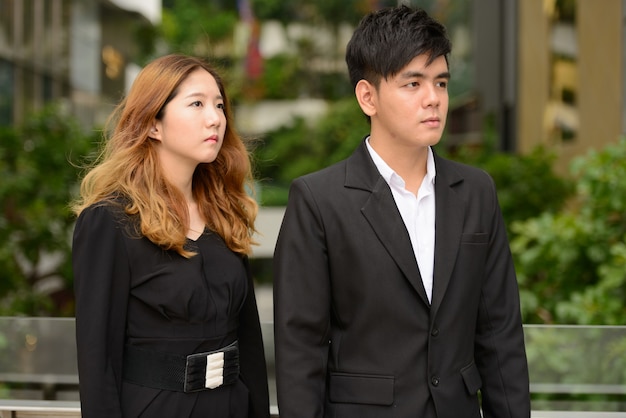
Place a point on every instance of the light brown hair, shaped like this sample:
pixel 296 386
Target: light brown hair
pixel 128 167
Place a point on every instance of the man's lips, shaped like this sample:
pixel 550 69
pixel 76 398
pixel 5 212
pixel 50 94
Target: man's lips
pixel 432 121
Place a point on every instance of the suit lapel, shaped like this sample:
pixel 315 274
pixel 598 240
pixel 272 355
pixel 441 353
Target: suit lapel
pixel 381 212
pixel 449 220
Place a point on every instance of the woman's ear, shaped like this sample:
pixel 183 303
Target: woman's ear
pixel 155 130
pixel 366 96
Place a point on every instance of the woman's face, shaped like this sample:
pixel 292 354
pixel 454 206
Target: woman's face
pixel 192 128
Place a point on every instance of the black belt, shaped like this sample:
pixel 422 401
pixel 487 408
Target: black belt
pixel 190 373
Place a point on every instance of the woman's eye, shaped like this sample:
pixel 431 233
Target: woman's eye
pixel 197 103
pixel 220 106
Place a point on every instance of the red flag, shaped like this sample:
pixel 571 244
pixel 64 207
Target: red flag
pixel 254 60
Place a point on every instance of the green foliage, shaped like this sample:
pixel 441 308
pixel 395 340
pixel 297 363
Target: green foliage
pixel 36 223
pixel 334 86
pixel 331 11
pixel 285 77
pixel 194 27
pixel 281 10
pixel 572 264
pixel 280 76
pixel 145 37
pixel 527 184
pixel 337 12
pixel 292 151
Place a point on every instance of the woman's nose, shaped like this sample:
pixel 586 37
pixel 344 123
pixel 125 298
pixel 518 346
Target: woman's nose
pixel 213 117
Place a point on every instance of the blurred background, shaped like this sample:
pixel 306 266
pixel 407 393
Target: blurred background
pixel 537 99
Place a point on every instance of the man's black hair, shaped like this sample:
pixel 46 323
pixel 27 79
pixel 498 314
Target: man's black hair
pixel 387 40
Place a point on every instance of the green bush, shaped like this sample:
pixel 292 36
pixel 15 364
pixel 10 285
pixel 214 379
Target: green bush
pixel 38 178
pixel 572 264
pixel 298 149
pixel 280 78
pixel 526 183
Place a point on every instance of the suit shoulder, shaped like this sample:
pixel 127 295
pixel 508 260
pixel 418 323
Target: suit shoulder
pixel 333 174
pixel 464 171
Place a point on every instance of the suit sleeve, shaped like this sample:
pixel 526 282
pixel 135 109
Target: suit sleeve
pixel 252 353
pixel 301 307
pixel 499 350
pixel 101 282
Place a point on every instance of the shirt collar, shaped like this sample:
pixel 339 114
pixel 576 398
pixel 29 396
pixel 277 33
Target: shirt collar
pixel 391 176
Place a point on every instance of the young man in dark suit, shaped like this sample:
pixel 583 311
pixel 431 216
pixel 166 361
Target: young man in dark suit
pixel 395 291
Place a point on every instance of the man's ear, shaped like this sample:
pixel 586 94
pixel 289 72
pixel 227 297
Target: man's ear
pixel 366 96
pixel 155 130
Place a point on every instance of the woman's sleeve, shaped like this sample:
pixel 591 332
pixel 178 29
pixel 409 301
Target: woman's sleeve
pixel 252 353
pixel 101 285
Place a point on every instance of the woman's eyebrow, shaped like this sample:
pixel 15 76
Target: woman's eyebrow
pixel 202 95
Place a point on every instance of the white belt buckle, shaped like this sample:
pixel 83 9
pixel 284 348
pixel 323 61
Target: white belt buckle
pixel 214 370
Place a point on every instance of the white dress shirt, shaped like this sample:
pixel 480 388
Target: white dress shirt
pixel 418 213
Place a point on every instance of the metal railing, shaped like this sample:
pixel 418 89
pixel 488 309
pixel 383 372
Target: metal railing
pixel 575 371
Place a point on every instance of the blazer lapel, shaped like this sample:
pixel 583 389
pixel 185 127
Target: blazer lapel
pixel 381 212
pixel 449 220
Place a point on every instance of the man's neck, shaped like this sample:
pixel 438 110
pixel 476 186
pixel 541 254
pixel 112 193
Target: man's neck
pixel 408 163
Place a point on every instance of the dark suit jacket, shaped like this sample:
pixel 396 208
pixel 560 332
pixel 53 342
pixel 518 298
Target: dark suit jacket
pixel 355 335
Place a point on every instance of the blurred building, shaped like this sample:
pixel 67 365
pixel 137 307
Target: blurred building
pixel 551 72
pixel 79 52
pixel 538 72
pixel 524 72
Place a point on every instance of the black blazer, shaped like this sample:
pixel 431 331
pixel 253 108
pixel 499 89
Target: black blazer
pixel 355 334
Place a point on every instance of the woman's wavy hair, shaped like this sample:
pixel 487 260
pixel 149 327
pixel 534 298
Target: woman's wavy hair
pixel 127 167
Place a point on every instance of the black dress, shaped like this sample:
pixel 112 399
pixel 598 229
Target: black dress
pixel 130 291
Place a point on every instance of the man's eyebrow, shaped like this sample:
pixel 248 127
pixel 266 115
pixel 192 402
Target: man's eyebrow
pixel 417 74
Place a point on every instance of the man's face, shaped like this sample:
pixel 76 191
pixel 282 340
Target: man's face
pixel 410 108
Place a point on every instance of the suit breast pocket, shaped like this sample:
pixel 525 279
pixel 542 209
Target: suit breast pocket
pixel 475 238
pixel 472 254
pixel 361 388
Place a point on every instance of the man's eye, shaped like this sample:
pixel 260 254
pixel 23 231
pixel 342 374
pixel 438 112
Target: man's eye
pixel 442 84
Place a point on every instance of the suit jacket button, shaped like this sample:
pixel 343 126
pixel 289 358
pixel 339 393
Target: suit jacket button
pixel 435 381
pixel 434 332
